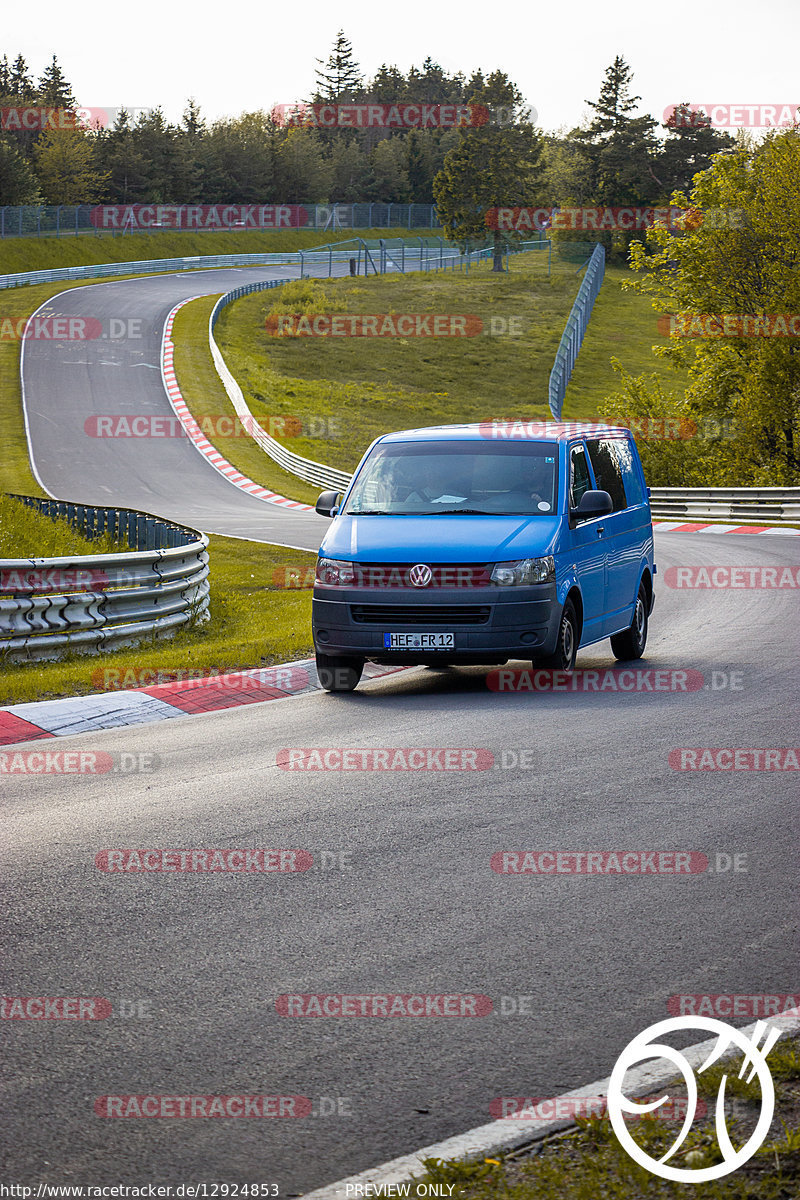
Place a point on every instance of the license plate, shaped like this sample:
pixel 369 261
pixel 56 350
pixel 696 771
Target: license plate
pixel 419 641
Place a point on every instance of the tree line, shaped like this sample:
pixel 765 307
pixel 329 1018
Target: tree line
pixel 259 157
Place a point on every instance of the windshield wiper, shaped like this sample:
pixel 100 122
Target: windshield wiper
pixel 449 512
pixel 367 512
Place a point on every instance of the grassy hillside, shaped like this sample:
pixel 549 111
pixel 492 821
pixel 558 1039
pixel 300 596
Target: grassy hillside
pixel 46 253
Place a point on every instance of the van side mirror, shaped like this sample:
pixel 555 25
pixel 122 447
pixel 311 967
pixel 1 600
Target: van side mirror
pixel 592 504
pixel 328 504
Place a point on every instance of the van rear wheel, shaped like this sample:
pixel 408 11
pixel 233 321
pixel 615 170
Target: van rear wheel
pixel 337 673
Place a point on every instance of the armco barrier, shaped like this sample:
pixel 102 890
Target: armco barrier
pixel 429 254
pixel 304 468
pixel 88 602
pixel 718 503
pixel 572 337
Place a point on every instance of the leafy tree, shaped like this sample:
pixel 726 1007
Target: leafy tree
pixel 123 158
pixel 491 166
pixel 743 258
pixel 18 183
pixel 302 173
pixel 389 169
pixel 67 166
pixel 419 167
pixel 239 160
pixel 351 172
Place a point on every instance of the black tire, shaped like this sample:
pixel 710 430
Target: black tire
pixel 337 673
pixel 563 658
pixel 630 644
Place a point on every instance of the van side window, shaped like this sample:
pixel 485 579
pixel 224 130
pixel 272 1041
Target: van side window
pixel 634 489
pixel 607 467
pixel 579 478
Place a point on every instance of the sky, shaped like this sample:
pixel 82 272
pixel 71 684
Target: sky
pixel 246 55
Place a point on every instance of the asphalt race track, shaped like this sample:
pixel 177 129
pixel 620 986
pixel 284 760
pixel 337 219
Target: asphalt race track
pixel 401 897
pixel 66 382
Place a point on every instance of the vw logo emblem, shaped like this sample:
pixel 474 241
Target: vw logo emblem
pixel 420 575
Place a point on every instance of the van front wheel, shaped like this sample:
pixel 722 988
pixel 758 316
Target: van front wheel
pixel 563 658
pixel 630 644
pixel 337 673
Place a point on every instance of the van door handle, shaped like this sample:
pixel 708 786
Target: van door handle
pixel 600 530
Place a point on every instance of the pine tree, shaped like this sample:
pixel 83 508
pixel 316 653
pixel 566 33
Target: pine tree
pixel 491 166
pixel 340 79
pixel 18 184
pixel 54 90
pixel 21 85
pixel 620 148
pixel 688 148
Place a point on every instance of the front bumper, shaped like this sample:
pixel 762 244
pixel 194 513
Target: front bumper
pixel 491 624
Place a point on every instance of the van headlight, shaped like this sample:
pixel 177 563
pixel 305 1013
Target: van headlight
pixel 335 572
pixel 525 571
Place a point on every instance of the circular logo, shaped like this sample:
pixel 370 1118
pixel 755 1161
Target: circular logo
pixel 420 575
pixel 646 1046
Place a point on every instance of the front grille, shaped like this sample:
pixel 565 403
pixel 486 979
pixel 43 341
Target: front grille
pixel 420 614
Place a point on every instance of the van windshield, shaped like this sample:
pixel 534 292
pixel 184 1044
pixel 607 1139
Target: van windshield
pixel 436 478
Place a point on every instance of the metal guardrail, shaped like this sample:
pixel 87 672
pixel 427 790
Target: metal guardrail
pixel 418 255
pixel 572 337
pixel 743 504
pixel 89 602
pixel 429 258
pixel 304 468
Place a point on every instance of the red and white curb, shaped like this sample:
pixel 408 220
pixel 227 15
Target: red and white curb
pixel 195 433
pixel 698 527
pixel 138 706
pixel 502 1136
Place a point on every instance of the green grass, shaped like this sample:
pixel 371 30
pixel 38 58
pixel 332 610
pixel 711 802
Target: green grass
pixel 25 533
pixel 255 621
pixel 359 388
pixel 46 253
pixel 623 326
pixel 207 400
pixel 590 1163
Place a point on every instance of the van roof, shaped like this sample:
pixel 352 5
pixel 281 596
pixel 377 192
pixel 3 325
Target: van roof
pixel 513 431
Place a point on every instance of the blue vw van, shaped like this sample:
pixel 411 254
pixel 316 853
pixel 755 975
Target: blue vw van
pixel 484 543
